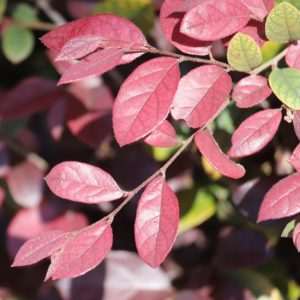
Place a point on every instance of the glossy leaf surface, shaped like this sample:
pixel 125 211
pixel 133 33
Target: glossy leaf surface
pixel 156 222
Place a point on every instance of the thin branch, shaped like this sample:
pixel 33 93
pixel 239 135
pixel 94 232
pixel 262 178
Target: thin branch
pixel 52 14
pixel 43 26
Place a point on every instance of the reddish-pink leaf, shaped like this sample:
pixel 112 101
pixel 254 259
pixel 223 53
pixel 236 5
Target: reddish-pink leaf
pixel 296 123
pixel 255 133
pixel 282 200
pixel 251 91
pixel 39 247
pixel 259 8
pixel 295 159
pixel 212 152
pixel 296 236
pixel 4 160
pixel 82 183
pixel 56 119
pixel 163 136
pixel 214 19
pixel 79 47
pixel 256 30
pixel 171 14
pixel 104 26
pixel 95 64
pixel 2 196
pixel 144 99
pixel 26 190
pixel 156 222
pixel 201 94
pixel 292 57
pixel 30 96
pixel 82 252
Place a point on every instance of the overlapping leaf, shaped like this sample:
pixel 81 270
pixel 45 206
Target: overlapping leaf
pixel 212 152
pixel 255 133
pixel 201 94
pixel 296 236
pixel 211 21
pixel 292 57
pixel 144 99
pixel 171 14
pixel 296 123
pixel 259 8
pixel 82 183
pixel 283 23
pixel 243 53
pixel 156 222
pixel 295 158
pixel 251 91
pixel 285 83
pixel 282 200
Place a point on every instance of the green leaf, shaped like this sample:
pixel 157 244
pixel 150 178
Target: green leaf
pixel 296 3
pixel 140 12
pixel 3 4
pixel 285 83
pixel 270 49
pixel 17 43
pixel 202 209
pixel 283 23
pixel 288 229
pixel 25 14
pixel 243 53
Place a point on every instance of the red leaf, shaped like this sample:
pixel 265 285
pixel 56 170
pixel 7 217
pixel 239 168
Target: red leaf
pixel 104 26
pixel 39 247
pixel 30 96
pixel 259 8
pixel 282 200
pixel 212 152
pixel 255 133
pixel 2 196
pixel 296 123
pixel 295 159
pixel 213 20
pixel 296 236
pixel 79 47
pixel 4 160
pixel 171 14
pixel 26 190
pixel 163 136
pixel 251 91
pixel 256 30
pixel 201 94
pixel 56 119
pixel 144 99
pixel 156 222
pixel 292 57
pixel 95 64
pixel 82 183
pixel 82 251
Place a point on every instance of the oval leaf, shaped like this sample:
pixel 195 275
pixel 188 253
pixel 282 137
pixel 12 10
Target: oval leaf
pixel 163 136
pixel 212 152
pixel 39 247
pixel 259 8
pixel 296 123
pixel 285 83
pixel 201 94
pixel 82 183
pixel 255 133
pixel 97 63
pixel 210 21
pixel 282 200
pixel 104 26
pixel 144 99
pixel 251 91
pixel 156 222
pixel 283 23
pixel 171 14
pixel 243 53
pixel 292 57
pixel 82 251
pixel 295 158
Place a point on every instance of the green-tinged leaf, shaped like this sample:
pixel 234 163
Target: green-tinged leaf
pixel 296 3
pixel 3 4
pixel 17 43
pixel 283 23
pixel 285 83
pixel 141 12
pixel 271 49
pixel 225 121
pixel 162 154
pixel 25 13
pixel 202 208
pixel 288 229
pixel 243 53
pixel 293 290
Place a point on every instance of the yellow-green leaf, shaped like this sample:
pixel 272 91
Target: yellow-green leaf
pixel 271 49
pixel 2 8
pixel 25 13
pixel 296 3
pixel 140 12
pixel 285 83
pixel 203 208
pixel 17 43
pixel 283 23
pixel 243 53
